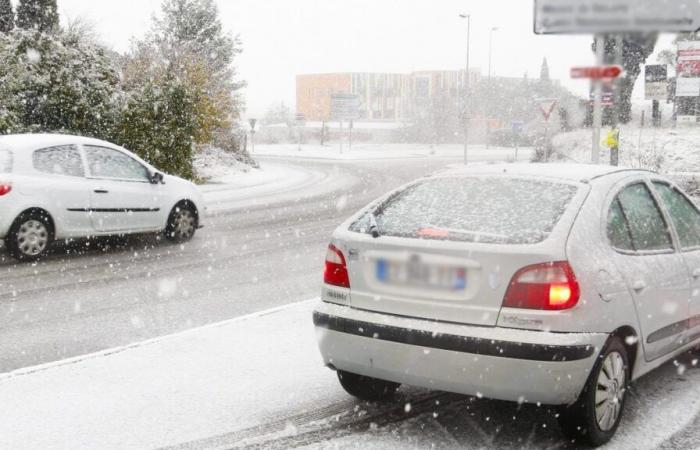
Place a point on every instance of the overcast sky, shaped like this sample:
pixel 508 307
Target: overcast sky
pixel 282 38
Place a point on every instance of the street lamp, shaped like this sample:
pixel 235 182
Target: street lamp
pixel 488 119
pixel 465 94
pixel 491 47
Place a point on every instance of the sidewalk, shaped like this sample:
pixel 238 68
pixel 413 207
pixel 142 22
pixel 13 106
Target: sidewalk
pixel 171 390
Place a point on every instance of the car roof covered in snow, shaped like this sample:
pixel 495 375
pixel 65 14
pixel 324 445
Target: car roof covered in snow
pixel 29 142
pixel 565 172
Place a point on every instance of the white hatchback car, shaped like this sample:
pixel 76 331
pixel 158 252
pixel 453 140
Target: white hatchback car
pixel 557 284
pixel 61 187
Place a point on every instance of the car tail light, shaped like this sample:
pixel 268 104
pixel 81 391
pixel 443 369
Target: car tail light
pixel 336 272
pixel 549 286
pixel 5 188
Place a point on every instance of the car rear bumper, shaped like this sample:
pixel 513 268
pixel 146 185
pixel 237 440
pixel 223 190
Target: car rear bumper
pixel 498 363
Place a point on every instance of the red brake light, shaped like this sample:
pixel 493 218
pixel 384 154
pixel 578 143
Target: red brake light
pixel 336 272
pixel 5 188
pixel 549 286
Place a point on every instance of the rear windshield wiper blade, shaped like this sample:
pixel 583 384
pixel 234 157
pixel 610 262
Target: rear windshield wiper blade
pixel 373 226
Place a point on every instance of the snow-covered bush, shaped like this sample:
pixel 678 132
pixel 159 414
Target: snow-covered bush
pixel 55 83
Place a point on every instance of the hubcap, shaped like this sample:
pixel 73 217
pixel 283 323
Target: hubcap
pixel 32 237
pixel 610 391
pixel 184 224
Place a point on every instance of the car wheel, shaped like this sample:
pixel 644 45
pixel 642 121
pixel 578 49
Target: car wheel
pixel 595 416
pixel 182 223
pixel 29 237
pixel 367 388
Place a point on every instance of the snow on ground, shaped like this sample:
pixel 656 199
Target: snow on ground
pixel 386 151
pixel 661 149
pixel 231 184
pixel 215 165
pixel 260 380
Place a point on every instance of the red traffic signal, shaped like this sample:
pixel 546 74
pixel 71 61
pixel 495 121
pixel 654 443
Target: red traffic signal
pixel 596 72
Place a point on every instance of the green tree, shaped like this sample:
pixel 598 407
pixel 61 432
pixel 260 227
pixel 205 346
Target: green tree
pixel 7 16
pixel 40 15
pixel 159 126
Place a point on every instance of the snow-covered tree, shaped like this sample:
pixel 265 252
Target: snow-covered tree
pixel 189 33
pixel 41 15
pixel 56 83
pixel 7 16
pixel 278 113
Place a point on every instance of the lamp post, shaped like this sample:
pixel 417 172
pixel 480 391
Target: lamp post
pixel 465 94
pixel 491 47
pixel 488 118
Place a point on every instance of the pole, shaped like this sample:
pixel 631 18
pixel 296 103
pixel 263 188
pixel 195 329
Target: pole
pixel 350 137
pixel 656 113
pixel 341 136
pixel 615 149
pixel 488 115
pixel 467 86
pixel 598 100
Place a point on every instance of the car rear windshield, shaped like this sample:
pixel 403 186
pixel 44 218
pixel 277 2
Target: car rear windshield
pixel 5 161
pixel 497 210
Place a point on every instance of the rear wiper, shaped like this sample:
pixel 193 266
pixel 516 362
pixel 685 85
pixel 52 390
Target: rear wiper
pixel 373 226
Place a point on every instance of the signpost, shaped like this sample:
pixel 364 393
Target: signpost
pixel 345 107
pixel 252 122
pixel 616 16
pixel 599 17
pixel 603 93
pixel 547 106
pixel 518 127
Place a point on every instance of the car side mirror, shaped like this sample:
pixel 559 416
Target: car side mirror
pixel 157 178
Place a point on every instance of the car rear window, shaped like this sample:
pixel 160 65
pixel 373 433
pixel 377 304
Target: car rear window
pixel 5 161
pixel 495 210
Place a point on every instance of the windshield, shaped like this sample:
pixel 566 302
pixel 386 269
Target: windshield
pixel 488 210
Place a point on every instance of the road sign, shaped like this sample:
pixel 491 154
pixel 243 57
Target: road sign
pixel 517 126
pixel 596 72
pixel 345 107
pixel 688 59
pixel 252 123
pixel 608 93
pixel 656 82
pixel 615 16
pixel 687 87
pixel 547 108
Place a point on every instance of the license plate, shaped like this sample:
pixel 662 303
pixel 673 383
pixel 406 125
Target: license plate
pixel 418 274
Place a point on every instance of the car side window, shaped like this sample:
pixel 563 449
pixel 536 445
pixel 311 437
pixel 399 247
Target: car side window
pixel 109 163
pixel 647 226
pixel 618 229
pixel 684 215
pixel 59 160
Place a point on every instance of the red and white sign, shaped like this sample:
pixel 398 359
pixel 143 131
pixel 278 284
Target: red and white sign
pixel 596 72
pixel 547 108
pixel 688 59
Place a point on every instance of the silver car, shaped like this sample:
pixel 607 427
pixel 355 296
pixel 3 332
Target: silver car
pixel 552 284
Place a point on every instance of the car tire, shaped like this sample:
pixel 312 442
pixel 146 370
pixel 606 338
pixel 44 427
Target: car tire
pixel 596 415
pixel 182 223
pixel 30 236
pixel 367 388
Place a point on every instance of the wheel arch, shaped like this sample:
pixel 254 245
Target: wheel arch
pixel 630 339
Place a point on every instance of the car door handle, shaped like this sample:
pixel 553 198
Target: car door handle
pixel 101 191
pixel 639 286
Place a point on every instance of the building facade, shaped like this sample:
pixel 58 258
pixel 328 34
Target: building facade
pixel 382 96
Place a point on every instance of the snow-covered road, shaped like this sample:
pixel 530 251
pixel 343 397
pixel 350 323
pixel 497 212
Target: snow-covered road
pixel 258 382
